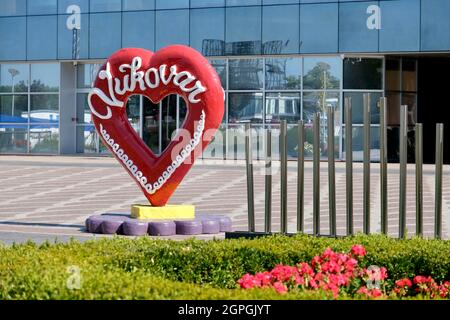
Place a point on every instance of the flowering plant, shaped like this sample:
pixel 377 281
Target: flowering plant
pixel 341 275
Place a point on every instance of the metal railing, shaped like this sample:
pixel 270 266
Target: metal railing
pixel 349 192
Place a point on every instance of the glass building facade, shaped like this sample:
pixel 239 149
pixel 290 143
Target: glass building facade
pixel 277 59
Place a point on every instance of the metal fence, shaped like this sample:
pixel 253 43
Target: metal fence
pixel 300 214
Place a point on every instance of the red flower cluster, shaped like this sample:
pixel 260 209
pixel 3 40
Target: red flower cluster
pixel 339 273
pixel 425 286
pixel 331 271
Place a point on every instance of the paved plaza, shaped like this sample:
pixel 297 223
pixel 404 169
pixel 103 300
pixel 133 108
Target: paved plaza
pixel 50 197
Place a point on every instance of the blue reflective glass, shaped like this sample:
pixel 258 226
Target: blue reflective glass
pixel 208 31
pixel 435 25
pixel 280 29
pixel 168 32
pixel 44 77
pixel 42 7
pixel 400 25
pixel 104 37
pixel 319 28
pixel 13 7
pixel 354 34
pixel 319 1
pixel 44 139
pixel 280 1
pixel 13 35
pixel 38 46
pixel 105 5
pixel 64 4
pixel 283 73
pixel 232 3
pixel 67 42
pixel 243 30
pixel 13 138
pixel 207 3
pixel 138 29
pixel 14 77
pixel 172 4
pixel 138 5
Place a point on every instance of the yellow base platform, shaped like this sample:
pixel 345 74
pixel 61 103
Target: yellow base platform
pixel 140 211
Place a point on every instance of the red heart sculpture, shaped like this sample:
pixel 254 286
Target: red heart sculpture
pixel 174 69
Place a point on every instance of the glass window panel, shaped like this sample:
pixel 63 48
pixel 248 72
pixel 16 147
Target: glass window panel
pixel 44 139
pixel 319 28
pixel 44 108
pixel 208 31
pixel 435 24
pixel 104 38
pixel 392 74
pixel 280 29
pixel 65 39
pixel 13 8
pixel 319 101
pixel 400 25
pixel 282 106
pixel 172 4
pixel 279 1
pixel 105 5
pixel 87 139
pixel 393 108
pixel 168 32
pixel 363 73
pixel 42 7
pixel 243 30
pixel 138 5
pixel 83 110
pixel 13 37
pixel 358 106
pixel 133 109
pixel 207 3
pixel 358 143
pixel 133 24
pixel 354 36
pixel 13 138
pixel 246 74
pixel 409 75
pixel 14 108
pixel 44 77
pixel 64 4
pixel 221 68
pixel 231 3
pixel 14 77
pixel 410 99
pixel 322 73
pixel 86 74
pixel 41 47
pixel 283 73
pixel 245 107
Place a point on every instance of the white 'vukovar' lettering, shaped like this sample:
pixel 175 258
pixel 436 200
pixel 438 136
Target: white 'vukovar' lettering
pixel 117 87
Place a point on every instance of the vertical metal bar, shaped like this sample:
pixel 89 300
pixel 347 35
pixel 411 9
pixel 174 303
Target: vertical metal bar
pixel 268 183
pixel 349 164
pixel 316 174
pixel 250 192
pixel 419 179
pixel 331 172
pixel 403 161
pixel 366 178
pixel 283 167
pixel 300 176
pixel 438 181
pixel 383 165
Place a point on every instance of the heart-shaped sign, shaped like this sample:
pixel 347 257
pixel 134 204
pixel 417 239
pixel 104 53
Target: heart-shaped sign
pixel 172 70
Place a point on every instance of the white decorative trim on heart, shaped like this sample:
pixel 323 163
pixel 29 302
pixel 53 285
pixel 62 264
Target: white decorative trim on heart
pixel 151 188
pixel 117 87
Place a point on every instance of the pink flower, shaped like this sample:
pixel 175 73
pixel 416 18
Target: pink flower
pixel 263 278
pixel 280 287
pixel 358 250
pixel 305 269
pixel 247 281
pixel 403 283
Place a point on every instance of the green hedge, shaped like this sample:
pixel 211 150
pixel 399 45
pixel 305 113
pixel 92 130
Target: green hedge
pixel 143 268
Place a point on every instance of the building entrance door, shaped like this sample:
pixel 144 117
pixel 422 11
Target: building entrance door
pixel 156 123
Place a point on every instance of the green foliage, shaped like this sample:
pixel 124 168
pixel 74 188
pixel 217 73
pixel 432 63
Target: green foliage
pixel 144 268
